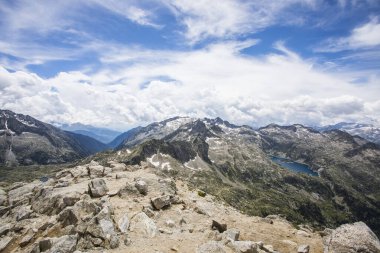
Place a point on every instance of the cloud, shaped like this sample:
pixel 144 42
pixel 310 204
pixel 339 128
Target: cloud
pixel 218 80
pixel 366 36
pixel 224 19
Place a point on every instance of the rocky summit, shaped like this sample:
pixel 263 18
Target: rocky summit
pixel 132 208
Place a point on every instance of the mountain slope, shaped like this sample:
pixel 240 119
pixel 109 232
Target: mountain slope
pixel 233 163
pixel 25 140
pixel 366 131
pixel 122 137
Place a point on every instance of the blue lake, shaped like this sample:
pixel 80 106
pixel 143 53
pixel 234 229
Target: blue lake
pixel 293 166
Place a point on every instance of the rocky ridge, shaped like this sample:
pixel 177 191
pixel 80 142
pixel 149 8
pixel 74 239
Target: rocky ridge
pixel 119 208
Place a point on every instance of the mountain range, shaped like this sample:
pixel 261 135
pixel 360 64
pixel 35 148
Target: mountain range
pixel 25 140
pixel 232 163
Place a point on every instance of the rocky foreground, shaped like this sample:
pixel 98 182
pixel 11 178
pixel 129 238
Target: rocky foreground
pixel 119 208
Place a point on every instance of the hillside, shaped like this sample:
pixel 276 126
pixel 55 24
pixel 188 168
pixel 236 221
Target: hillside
pixel 25 141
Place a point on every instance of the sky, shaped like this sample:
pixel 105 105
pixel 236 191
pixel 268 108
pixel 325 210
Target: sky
pixel 120 64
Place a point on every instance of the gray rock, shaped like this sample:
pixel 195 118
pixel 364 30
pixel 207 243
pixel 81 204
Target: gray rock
pixel 4 229
pixel 97 188
pixel 141 186
pixel 243 246
pixel 161 202
pixel 141 223
pixel 356 237
pixel 23 212
pixel 231 234
pixel 68 216
pixel 303 249
pixel 124 223
pixel 63 244
pixel 5 242
pixel 27 238
pixel 148 211
pixel 210 247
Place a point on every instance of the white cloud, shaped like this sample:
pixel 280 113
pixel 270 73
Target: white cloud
pixel 223 19
pixel 366 36
pixel 214 81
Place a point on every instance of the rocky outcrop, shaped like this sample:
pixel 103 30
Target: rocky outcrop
pixel 356 237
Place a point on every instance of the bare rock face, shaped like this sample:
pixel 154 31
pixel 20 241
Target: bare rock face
pixel 356 237
pixel 97 188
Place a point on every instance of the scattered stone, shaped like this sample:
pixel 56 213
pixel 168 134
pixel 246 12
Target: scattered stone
pixel 170 223
pixel 141 186
pixel 127 241
pixel 356 237
pixel 97 188
pixel 161 202
pixel 243 246
pixel 182 221
pixel 211 247
pixel 231 234
pixel 141 223
pixel 303 249
pixel 218 226
pixel 174 249
pixel 148 211
pixel 124 223
pixel 201 193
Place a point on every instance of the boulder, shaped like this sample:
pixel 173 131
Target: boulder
pixel 141 223
pixel 161 202
pixel 231 234
pixel 141 186
pixel 97 188
pixel 303 249
pixel 124 223
pixel 243 246
pixel 68 216
pixel 356 237
pixel 63 244
pixel 218 226
pixel 211 247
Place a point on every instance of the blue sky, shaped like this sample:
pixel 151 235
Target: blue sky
pixel 120 64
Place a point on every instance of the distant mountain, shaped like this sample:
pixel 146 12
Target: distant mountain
pixel 101 134
pixel 124 136
pixel 25 140
pixel 234 163
pixel 366 131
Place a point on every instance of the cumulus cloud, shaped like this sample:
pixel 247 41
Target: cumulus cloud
pixel 214 81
